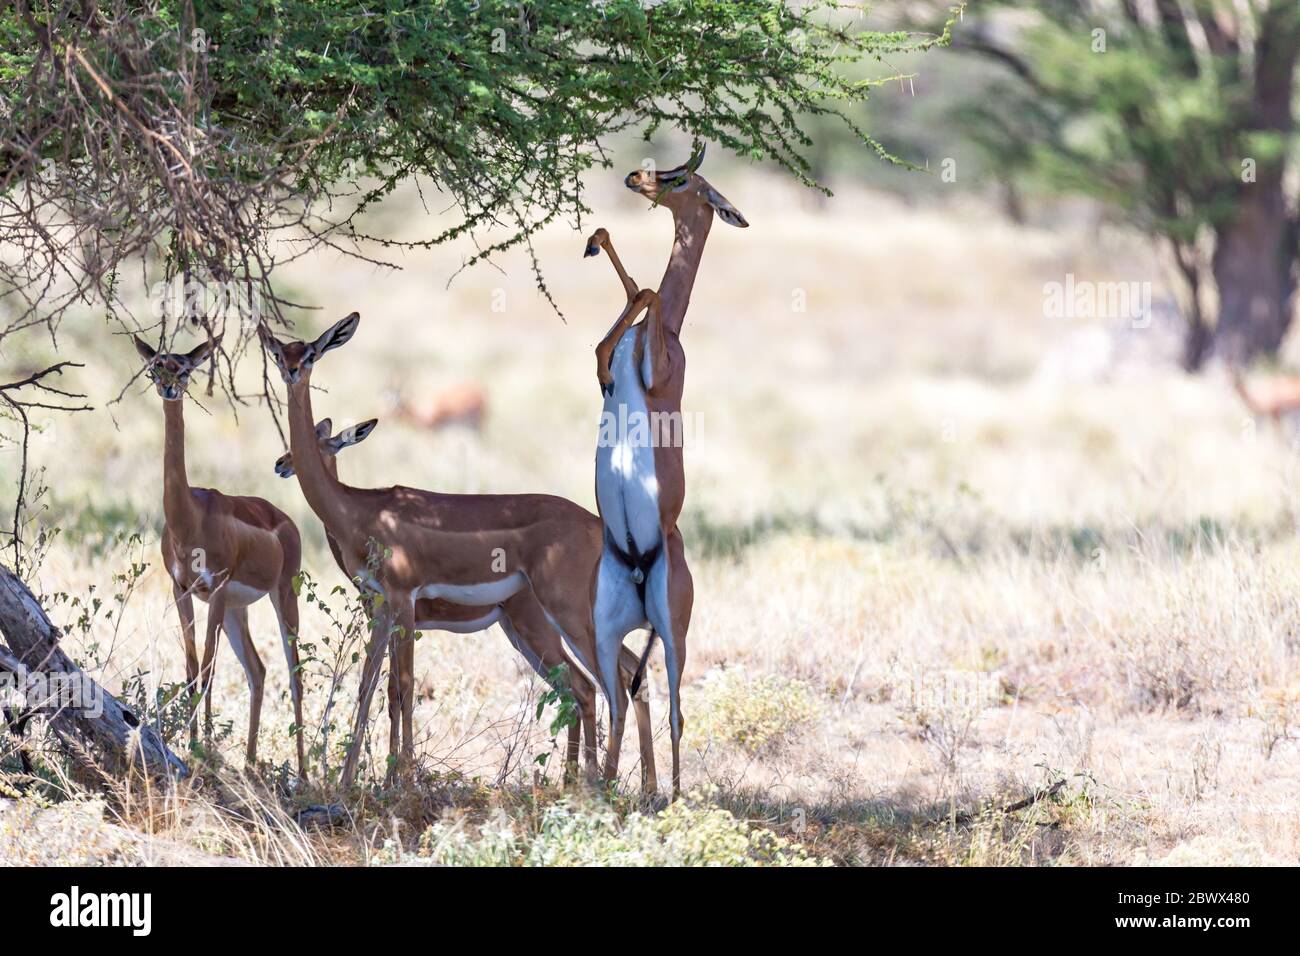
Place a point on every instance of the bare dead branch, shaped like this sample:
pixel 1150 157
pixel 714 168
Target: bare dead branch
pixel 9 394
pixel 1046 793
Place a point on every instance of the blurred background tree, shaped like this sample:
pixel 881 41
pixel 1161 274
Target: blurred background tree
pixel 1179 115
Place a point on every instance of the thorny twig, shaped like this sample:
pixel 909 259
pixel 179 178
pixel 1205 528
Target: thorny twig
pixel 20 406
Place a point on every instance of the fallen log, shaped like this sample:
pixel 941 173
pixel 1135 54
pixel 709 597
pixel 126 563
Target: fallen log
pixel 77 710
pixel 322 816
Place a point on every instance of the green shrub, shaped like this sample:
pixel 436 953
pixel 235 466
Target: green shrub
pixel 574 834
pixel 758 713
pixel 451 843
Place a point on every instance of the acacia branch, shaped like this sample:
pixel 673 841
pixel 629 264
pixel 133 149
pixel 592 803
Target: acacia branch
pixel 20 407
pixel 36 378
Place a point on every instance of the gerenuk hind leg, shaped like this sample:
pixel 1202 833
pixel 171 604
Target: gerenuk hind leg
pixel 670 594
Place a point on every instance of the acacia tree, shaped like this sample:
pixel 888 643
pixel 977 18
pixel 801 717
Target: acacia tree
pixel 195 134
pixel 156 139
pixel 145 140
pixel 1180 114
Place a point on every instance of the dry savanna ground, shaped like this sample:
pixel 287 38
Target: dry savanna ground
pixel 933 579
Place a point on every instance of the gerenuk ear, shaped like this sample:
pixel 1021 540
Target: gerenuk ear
pixel 725 210
pixel 323 428
pixel 270 342
pixel 354 435
pixel 337 334
pixel 197 356
pixel 143 348
pixel 682 173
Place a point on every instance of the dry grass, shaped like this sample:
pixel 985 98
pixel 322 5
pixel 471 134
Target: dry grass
pixel 945 582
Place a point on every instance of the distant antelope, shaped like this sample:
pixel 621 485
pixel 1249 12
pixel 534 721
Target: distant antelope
pixel 640 477
pixel 462 404
pixel 1272 398
pixel 229 550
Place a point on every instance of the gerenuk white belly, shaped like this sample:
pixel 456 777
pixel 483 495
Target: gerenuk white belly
pixel 627 489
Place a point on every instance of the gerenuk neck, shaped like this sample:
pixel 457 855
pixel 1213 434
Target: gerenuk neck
pixel 690 232
pixel 323 491
pixel 178 504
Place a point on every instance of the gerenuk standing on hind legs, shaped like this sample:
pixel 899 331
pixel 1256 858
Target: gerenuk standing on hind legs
pixel 640 479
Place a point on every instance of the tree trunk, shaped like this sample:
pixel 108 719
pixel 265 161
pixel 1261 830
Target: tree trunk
pixel 1252 269
pixel 1255 253
pixel 1196 337
pixel 1196 343
pixel 77 709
